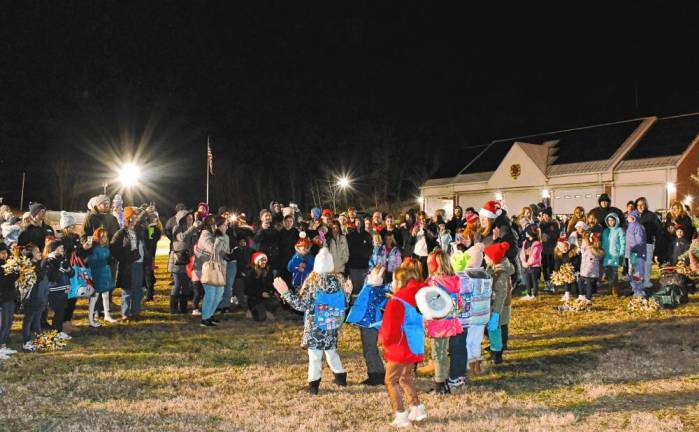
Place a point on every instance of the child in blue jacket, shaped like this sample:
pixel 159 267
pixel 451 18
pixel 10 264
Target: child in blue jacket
pixel 614 245
pixel 301 264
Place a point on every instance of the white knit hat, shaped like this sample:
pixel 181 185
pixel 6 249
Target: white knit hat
pixel 324 262
pixel 67 220
pixel 287 211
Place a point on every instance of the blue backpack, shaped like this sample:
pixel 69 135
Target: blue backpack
pixel 413 328
pixel 329 310
pixel 366 310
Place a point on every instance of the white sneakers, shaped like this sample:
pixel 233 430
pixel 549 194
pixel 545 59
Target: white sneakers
pixel 401 420
pixel 29 346
pixel 64 336
pixel 196 312
pixel 565 297
pixel 528 298
pixel 417 413
pixel 109 319
pixel 7 351
pixel 4 356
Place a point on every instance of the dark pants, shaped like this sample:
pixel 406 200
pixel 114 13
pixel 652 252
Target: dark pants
pixel 149 277
pixel 457 355
pixel 612 273
pixel 370 349
pixel 531 277
pixel 58 300
pixel 588 285
pixel 505 331
pixel 260 307
pixel 70 308
pixel 547 265
pixel 198 289
pixel 7 313
pixel 571 288
pixel 31 323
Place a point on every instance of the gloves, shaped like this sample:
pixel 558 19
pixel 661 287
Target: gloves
pixel 494 321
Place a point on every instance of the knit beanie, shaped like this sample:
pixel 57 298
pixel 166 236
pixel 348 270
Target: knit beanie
pixel 315 212
pixel 67 220
pixel 35 208
pixel 324 262
pixel 128 212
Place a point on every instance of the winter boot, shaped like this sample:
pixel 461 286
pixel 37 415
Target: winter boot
pixel 417 413
pixel 313 387
pixel 173 304
pixel 374 379
pixel 505 329
pixel 340 379
pixel 472 367
pixel 427 370
pixel 496 356
pixel 441 388
pixel 477 367
pixel 401 420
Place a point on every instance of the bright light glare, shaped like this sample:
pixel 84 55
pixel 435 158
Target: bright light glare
pixel 671 187
pixel 498 196
pixel 129 175
pixel 687 200
pixel 420 200
pixel 545 194
pixel 343 182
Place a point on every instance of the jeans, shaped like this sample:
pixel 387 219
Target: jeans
pixel 440 357
pixel 231 270
pixel 370 349
pixel 547 265
pixel 474 337
pixel 315 363
pixel 458 355
pixel 650 248
pixel 357 277
pixel 180 285
pixel 401 376
pixel 31 323
pixel 198 289
pixel 532 276
pixel 131 298
pixel 58 301
pixel 612 273
pixel 588 285
pixel 495 338
pixel 637 279
pixel 212 297
pixel 7 313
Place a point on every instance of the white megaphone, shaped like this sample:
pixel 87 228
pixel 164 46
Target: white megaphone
pixel 433 302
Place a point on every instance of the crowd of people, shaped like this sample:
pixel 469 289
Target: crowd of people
pixel 365 269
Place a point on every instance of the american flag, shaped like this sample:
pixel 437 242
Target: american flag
pixel 210 156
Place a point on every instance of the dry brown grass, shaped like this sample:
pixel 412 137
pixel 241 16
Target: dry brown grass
pixel 602 370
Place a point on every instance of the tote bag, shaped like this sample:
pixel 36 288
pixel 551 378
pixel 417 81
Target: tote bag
pixel 81 285
pixel 212 272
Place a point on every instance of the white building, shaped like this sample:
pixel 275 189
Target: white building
pixel 651 157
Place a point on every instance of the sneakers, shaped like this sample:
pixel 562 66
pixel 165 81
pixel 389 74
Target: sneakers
pixel 313 387
pixel 196 312
pixel 528 298
pixel 109 319
pixel 565 297
pixel 7 351
pixel 417 413
pixel 456 382
pixel 64 336
pixel 401 420
pixel 29 346
pixel 582 297
pixel 441 388
pixel 207 323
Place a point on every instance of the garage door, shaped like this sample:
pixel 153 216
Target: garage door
pixel 432 204
pixel 564 201
pixel 475 200
pixel 655 194
pixel 513 201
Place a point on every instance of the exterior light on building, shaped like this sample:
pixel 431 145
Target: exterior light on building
pixel 545 193
pixel 688 200
pixel 671 189
pixel 498 196
pixel 420 200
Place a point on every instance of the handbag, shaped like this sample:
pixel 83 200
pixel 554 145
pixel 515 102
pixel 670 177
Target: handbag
pixel 81 285
pixel 212 271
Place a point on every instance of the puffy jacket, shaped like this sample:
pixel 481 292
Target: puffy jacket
pixel 340 252
pixel 635 240
pixel 613 242
pixel 533 259
pixel 182 243
pixel 395 344
pixel 589 265
pixel 501 289
pixel 444 327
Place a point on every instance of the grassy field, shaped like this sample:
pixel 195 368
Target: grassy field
pixel 608 369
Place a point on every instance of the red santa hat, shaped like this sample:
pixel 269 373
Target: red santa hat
pixel 303 241
pixel 327 212
pixel 496 252
pixel 472 219
pixel 257 256
pixel 491 210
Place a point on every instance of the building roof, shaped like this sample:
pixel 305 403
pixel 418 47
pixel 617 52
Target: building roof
pixel 657 162
pixel 599 142
pixel 668 136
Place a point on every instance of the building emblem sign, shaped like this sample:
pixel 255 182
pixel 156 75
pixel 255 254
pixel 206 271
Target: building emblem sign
pixel 515 171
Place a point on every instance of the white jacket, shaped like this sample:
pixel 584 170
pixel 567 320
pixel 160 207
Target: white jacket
pixel 340 252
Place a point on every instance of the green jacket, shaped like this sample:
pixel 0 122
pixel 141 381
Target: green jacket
pixel 501 289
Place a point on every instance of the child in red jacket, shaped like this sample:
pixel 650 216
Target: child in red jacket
pixel 402 334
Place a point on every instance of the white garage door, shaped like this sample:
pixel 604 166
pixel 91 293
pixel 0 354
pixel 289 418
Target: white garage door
pixel 513 201
pixel 655 194
pixel 475 200
pixel 432 204
pixel 564 201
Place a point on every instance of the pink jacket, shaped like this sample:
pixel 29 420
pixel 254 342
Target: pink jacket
pixel 450 325
pixel 535 250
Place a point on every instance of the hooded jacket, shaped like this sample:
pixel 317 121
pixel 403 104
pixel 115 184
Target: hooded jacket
pixel 636 238
pixel 182 242
pixel 501 289
pixel 360 248
pixel 391 335
pixel 613 242
pixel 601 213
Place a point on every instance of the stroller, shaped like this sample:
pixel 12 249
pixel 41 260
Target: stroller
pixel 674 288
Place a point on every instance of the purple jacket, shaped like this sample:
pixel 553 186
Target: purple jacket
pixel 635 240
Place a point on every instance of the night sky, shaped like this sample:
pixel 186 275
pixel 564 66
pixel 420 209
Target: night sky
pixel 92 81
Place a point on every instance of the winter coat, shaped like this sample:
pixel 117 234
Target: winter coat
pixel 8 292
pixel 445 327
pixel 298 276
pixel 267 241
pixel 96 220
pixel 360 248
pixel 36 235
pixel 430 233
pixel 533 257
pixel 589 264
pixel 243 256
pixel 39 295
pixel 340 252
pixel 502 296
pixel 287 241
pixel 391 334
pixel 315 337
pixel 120 249
pixel 98 262
pixel 59 271
pixel 679 246
pixel 549 236
pixel 10 233
pixel 182 246
pixel 635 240
pixel 204 250
pixel 603 213
pixel 255 286
pixel 651 225
pixel 613 243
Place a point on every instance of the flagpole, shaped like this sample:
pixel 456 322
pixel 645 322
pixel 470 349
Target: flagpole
pixel 21 195
pixel 208 146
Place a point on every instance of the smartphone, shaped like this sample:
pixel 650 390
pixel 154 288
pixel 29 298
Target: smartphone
pixel 89 241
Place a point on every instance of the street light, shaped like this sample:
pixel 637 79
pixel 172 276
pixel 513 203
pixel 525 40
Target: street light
pixel 343 182
pixel 129 175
